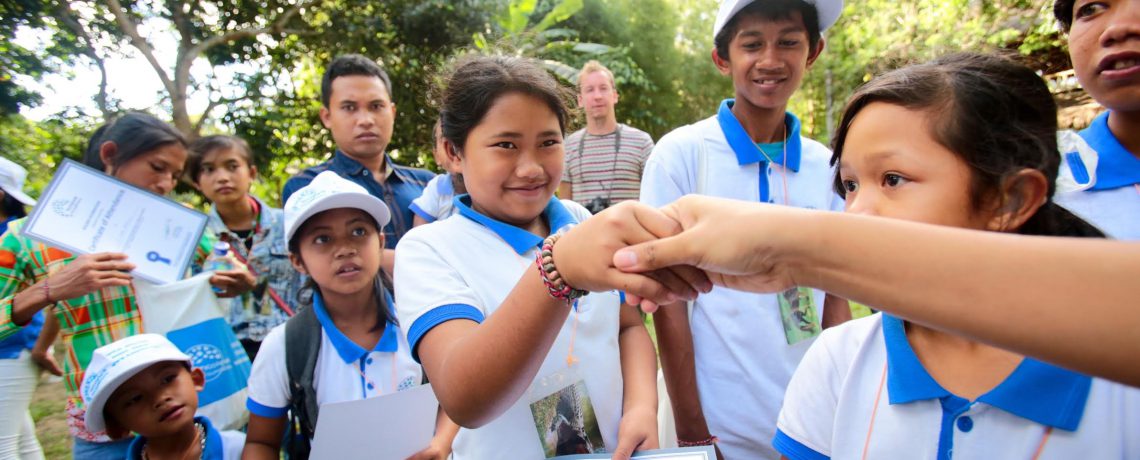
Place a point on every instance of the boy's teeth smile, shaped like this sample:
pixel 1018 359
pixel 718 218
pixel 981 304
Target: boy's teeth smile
pixel 1124 64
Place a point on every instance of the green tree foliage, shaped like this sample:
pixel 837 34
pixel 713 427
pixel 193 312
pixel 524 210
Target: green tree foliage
pixel 874 36
pixel 40 146
pixel 659 51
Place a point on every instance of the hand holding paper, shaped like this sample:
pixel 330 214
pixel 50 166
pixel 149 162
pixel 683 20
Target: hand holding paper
pixel 89 273
pixel 84 211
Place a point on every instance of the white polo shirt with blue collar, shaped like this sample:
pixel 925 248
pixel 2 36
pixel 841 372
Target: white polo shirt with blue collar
pixel 743 360
pixel 463 268
pixel 344 371
pixel 861 392
pixel 1112 202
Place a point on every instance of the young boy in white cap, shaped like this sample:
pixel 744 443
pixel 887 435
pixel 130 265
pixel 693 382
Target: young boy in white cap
pixel 727 363
pixel 144 384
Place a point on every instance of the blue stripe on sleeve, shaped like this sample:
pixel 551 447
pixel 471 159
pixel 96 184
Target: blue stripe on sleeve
pixel 437 316
pixel 260 410
pixel 792 449
pixel 420 212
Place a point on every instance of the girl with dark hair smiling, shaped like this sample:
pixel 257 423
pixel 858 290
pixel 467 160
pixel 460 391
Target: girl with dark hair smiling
pixel 489 298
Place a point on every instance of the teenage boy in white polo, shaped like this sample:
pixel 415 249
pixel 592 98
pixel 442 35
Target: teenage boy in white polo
pixel 1104 44
pixel 727 366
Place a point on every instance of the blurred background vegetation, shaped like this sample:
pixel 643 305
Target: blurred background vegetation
pixel 274 52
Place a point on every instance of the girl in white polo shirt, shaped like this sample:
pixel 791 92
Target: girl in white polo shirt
pixel 968 141
pixel 494 330
pixel 333 229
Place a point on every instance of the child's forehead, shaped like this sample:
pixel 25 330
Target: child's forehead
pixel 143 379
pixel 222 154
pixel 336 216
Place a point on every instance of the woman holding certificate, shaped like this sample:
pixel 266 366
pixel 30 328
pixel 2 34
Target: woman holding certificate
pixel 91 296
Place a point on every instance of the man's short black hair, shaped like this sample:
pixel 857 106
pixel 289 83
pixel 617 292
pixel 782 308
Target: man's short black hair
pixel 1063 11
pixel 771 10
pixel 348 65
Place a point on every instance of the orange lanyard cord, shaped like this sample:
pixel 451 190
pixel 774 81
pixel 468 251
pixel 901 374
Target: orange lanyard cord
pixel 874 412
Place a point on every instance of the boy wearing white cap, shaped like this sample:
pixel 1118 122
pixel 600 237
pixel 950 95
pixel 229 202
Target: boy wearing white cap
pixel 334 230
pixel 727 362
pixel 144 384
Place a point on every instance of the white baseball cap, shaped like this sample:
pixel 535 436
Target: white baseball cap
pixel 113 364
pixel 330 191
pixel 12 178
pixel 828 11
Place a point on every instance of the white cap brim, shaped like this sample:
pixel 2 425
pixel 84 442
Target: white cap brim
pixel 828 12
pixel 21 197
pixel 362 201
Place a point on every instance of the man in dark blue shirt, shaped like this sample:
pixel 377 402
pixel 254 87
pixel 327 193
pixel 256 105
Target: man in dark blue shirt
pixel 357 108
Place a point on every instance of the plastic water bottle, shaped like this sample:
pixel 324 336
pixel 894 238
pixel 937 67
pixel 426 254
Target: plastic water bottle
pixel 219 260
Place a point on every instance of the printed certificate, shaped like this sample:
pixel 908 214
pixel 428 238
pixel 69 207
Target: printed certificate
pixel 85 211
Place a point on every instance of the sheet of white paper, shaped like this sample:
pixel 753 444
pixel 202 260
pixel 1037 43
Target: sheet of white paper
pixel 84 211
pixel 683 453
pixel 390 426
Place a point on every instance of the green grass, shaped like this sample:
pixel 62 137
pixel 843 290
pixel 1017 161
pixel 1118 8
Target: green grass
pixel 48 411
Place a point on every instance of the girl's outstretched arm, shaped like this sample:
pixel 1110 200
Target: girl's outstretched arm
pixel 1069 301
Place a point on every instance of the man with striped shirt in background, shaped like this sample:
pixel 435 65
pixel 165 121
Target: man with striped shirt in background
pixel 605 160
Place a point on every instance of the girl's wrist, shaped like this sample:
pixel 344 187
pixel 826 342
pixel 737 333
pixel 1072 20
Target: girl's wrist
pixel 555 281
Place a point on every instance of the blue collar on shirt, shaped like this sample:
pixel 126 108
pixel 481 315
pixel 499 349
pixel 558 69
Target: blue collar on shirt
pixel 344 164
pixel 747 152
pixel 1116 166
pixel 214 448
pixel 348 350
pixel 520 240
pixel 4 224
pixel 1040 392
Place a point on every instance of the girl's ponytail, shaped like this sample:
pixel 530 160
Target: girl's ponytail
pixel 381 286
pixel 1053 220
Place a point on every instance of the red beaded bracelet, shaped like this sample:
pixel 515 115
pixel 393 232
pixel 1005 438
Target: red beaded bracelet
pixel 704 442
pixel 47 292
pixel 555 285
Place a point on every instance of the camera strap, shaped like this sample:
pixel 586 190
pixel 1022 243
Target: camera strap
pixel 617 151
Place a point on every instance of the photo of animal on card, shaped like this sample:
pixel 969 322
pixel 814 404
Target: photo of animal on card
pixel 566 422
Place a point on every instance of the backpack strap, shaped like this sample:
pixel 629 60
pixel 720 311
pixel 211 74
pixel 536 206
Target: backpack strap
pixel 302 347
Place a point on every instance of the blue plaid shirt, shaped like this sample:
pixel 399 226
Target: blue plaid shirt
pixel 402 186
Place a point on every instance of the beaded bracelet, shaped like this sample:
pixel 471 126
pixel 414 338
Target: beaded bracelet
pixel 47 292
pixel 704 442
pixel 555 285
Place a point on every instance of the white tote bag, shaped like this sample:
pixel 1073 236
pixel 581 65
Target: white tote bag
pixel 190 315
